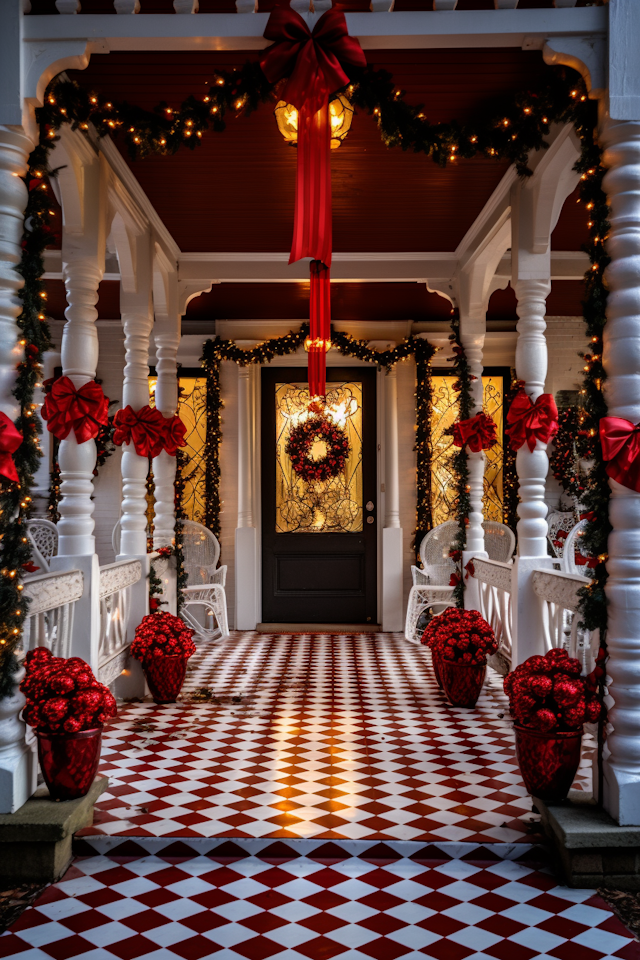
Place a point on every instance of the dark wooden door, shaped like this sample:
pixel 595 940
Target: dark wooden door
pixel 327 576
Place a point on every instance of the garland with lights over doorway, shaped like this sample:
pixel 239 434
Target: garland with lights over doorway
pixel 502 131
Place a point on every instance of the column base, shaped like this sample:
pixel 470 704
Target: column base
pixel 18 775
pixel 621 794
pixel 471 586
pixel 246 567
pixel 526 609
pixel 392 592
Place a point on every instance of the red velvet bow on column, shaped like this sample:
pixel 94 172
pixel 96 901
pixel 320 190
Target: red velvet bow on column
pixel 529 421
pixel 84 411
pixel 479 433
pixel 620 441
pixel 10 440
pixel 174 434
pixel 314 63
pixel 145 428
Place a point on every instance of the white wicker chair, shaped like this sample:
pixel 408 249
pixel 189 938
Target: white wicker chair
pixel 431 582
pixel 43 538
pixel 557 521
pixel 571 547
pixel 204 596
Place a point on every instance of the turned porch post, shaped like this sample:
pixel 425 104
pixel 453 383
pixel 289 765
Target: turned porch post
pixel 392 534
pixel 246 614
pixel 167 341
pixel 472 334
pixel 621 359
pixel 18 764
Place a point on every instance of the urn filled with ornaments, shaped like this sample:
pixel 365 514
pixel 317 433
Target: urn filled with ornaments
pixel 460 642
pixel 163 643
pixel 67 707
pixel 550 701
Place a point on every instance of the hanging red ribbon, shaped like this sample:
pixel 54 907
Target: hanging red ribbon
pixel 319 327
pixel 145 428
pixel 84 411
pixel 314 64
pixel 620 441
pixel 10 440
pixel 529 421
pixel 478 433
pixel 174 434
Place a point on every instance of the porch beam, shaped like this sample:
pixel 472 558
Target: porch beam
pixel 376 31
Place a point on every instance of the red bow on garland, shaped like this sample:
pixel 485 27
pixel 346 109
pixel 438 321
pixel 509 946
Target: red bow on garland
pixel 145 428
pixel 531 421
pixel 314 64
pixel 84 411
pixel 479 433
pixel 10 440
pixel 149 431
pixel 620 441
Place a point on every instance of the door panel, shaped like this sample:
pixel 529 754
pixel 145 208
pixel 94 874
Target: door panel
pixel 319 539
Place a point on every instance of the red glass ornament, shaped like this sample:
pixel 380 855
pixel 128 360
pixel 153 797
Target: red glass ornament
pixel 462 682
pixel 69 761
pixel 165 676
pixel 548 761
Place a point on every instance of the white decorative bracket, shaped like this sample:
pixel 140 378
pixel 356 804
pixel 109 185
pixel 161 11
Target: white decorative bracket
pixel 585 54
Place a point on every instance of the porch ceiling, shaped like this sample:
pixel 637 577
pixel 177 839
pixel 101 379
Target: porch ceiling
pixel 235 192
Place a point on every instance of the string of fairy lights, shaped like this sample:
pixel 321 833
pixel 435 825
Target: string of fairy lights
pixel 510 130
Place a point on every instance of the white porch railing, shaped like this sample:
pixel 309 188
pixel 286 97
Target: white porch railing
pixel 50 622
pixel 559 596
pixel 116 580
pixel 494 579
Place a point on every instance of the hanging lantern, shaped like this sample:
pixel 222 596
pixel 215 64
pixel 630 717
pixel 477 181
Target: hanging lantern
pixel 340 117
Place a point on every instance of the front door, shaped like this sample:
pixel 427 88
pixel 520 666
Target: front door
pixel 319 536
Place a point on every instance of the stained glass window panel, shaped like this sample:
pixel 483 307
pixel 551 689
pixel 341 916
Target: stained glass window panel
pixel 444 414
pixel 331 506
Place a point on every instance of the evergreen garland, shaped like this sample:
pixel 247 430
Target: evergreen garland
pixel 510 496
pixel 564 459
pixel 181 574
pixel 503 131
pixel 459 461
pixel 218 349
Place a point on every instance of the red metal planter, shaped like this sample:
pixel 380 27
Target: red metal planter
pixel 69 761
pixel 462 682
pixel 165 676
pixel 548 761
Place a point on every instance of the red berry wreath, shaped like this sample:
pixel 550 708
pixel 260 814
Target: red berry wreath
pixel 301 440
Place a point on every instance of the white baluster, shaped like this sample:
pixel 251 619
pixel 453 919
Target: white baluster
pixel 167 339
pixel 472 334
pixel 622 390
pixel 126 6
pixel 186 6
pixel 17 758
pixel 68 6
pixel 137 324
pixel 392 533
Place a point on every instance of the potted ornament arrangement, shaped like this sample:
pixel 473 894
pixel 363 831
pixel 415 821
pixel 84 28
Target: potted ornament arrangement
pixel 550 701
pixel 67 707
pixel 460 642
pixel 163 643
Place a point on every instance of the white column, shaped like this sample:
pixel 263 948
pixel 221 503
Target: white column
pixel 622 389
pixel 246 534
pixel 167 340
pixel 18 765
pixel 392 533
pixel 79 353
pixel 532 468
pixel 472 334
pixel 137 324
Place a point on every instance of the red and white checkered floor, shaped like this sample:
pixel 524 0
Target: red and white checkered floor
pixel 322 801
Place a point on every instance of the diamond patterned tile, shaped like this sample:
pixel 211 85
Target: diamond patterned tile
pixel 320 736
pixel 255 899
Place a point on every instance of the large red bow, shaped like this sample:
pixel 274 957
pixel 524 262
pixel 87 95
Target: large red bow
pixel 10 440
pixel 531 421
pixel 479 433
pixel 84 411
pixel 174 434
pixel 145 428
pixel 314 64
pixel 620 441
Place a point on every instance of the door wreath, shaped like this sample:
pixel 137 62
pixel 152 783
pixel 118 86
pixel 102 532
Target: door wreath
pixel 299 444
